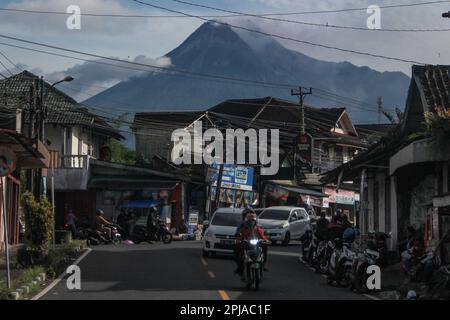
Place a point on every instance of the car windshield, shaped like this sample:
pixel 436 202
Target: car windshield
pixel 275 214
pixel 226 219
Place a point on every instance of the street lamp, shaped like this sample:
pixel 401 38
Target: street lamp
pixel 66 79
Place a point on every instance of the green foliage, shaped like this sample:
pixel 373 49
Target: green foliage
pixel 437 123
pixel 122 154
pixel 39 220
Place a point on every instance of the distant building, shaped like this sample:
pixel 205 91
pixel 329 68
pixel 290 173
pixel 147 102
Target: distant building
pixel 335 140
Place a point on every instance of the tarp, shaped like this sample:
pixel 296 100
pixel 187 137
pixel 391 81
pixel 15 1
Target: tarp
pixel 140 204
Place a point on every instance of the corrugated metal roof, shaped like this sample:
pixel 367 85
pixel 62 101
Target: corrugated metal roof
pixel 62 109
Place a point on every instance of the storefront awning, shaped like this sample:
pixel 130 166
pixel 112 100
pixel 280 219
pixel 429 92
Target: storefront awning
pixel 304 191
pixel 106 182
pixel 140 204
pixel 29 153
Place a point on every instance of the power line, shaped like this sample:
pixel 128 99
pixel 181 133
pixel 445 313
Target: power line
pixel 110 15
pixel 373 55
pixel 6 68
pixel 328 26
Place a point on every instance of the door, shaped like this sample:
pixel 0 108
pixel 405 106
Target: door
pixel 294 224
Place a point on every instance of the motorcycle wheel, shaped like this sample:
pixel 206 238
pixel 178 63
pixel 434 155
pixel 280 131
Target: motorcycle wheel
pixel 256 278
pixel 167 238
pixel 321 264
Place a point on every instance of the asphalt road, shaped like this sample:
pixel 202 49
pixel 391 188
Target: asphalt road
pixel 177 271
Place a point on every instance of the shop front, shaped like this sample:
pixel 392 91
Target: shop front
pixel 440 224
pixel 282 195
pixel 341 199
pixel 236 187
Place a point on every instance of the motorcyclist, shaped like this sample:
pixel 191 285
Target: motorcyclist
pixel 152 221
pixel 335 229
pixel 247 229
pixel 101 224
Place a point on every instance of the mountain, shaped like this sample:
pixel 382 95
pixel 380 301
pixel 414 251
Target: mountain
pixel 219 50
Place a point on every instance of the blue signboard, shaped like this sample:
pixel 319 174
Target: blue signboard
pixel 233 177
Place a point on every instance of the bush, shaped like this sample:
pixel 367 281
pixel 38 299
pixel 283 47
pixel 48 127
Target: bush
pixel 39 220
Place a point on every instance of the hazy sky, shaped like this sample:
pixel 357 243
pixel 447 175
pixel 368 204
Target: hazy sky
pixel 147 39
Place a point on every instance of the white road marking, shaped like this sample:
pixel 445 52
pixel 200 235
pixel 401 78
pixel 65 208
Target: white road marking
pixel 61 276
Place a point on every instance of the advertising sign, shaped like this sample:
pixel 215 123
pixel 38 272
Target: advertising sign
pixel 341 196
pixel 234 177
pixel 303 154
pixel 8 161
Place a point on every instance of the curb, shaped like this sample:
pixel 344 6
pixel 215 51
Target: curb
pixel 61 276
pixel 25 289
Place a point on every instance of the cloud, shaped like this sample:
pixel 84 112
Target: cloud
pixel 54 23
pixel 92 78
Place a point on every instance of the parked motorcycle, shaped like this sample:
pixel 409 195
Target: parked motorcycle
pixel 324 251
pixel 161 233
pixel 340 264
pixel 253 263
pixel 306 240
pixel 374 254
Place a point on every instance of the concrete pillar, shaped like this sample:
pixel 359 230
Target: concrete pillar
pixel 370 217
pixel 394 224
pixel 381 202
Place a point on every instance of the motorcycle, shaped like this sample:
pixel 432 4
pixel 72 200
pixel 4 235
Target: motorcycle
pixel 361 262
pixel 116 235
pixel 253 263
pixel 374 254
pixel 306 240
pixel 161 233
pixel 340 264
pixel 323 254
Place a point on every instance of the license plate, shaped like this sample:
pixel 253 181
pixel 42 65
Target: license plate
pixel 227 242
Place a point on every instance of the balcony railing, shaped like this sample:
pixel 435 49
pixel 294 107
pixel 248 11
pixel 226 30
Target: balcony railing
pixel 323 162
pixel 75 161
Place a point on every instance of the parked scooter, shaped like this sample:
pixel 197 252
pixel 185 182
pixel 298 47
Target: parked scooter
pixel 253 263
pixel 340 264
pixel 306 240
pixel 374 254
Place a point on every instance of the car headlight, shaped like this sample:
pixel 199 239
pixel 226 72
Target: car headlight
pixel 283 226
pixel 209 233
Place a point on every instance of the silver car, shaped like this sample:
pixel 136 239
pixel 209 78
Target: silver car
pixel 284 223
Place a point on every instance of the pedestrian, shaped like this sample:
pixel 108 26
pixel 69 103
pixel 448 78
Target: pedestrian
pixel 71 221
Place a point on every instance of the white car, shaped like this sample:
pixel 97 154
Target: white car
pixel 284 223
pixel 220 235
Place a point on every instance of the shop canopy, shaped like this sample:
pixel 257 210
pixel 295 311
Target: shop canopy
pixel 140 204
pixel 305 191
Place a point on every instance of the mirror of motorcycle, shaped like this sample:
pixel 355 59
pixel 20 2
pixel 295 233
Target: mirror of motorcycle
pixel 206 223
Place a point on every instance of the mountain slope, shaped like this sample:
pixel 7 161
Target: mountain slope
pixel 218 50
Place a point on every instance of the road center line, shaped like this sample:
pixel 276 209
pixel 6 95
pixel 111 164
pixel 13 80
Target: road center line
pixel 224 295
pixel 211 275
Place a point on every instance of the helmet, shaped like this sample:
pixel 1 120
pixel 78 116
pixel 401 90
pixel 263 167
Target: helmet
pixel 349 235
pixel 245 212
pixel 99 212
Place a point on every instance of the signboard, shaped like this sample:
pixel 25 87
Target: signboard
pixel 342 196
pixel 8 161
pixel 234 177
pixel 303 155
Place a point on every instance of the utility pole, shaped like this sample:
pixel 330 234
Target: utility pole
pixel 380 109
pixel 301 93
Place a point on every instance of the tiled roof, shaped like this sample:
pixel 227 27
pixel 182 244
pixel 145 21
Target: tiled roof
pixel 434 82
pixel 62 109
